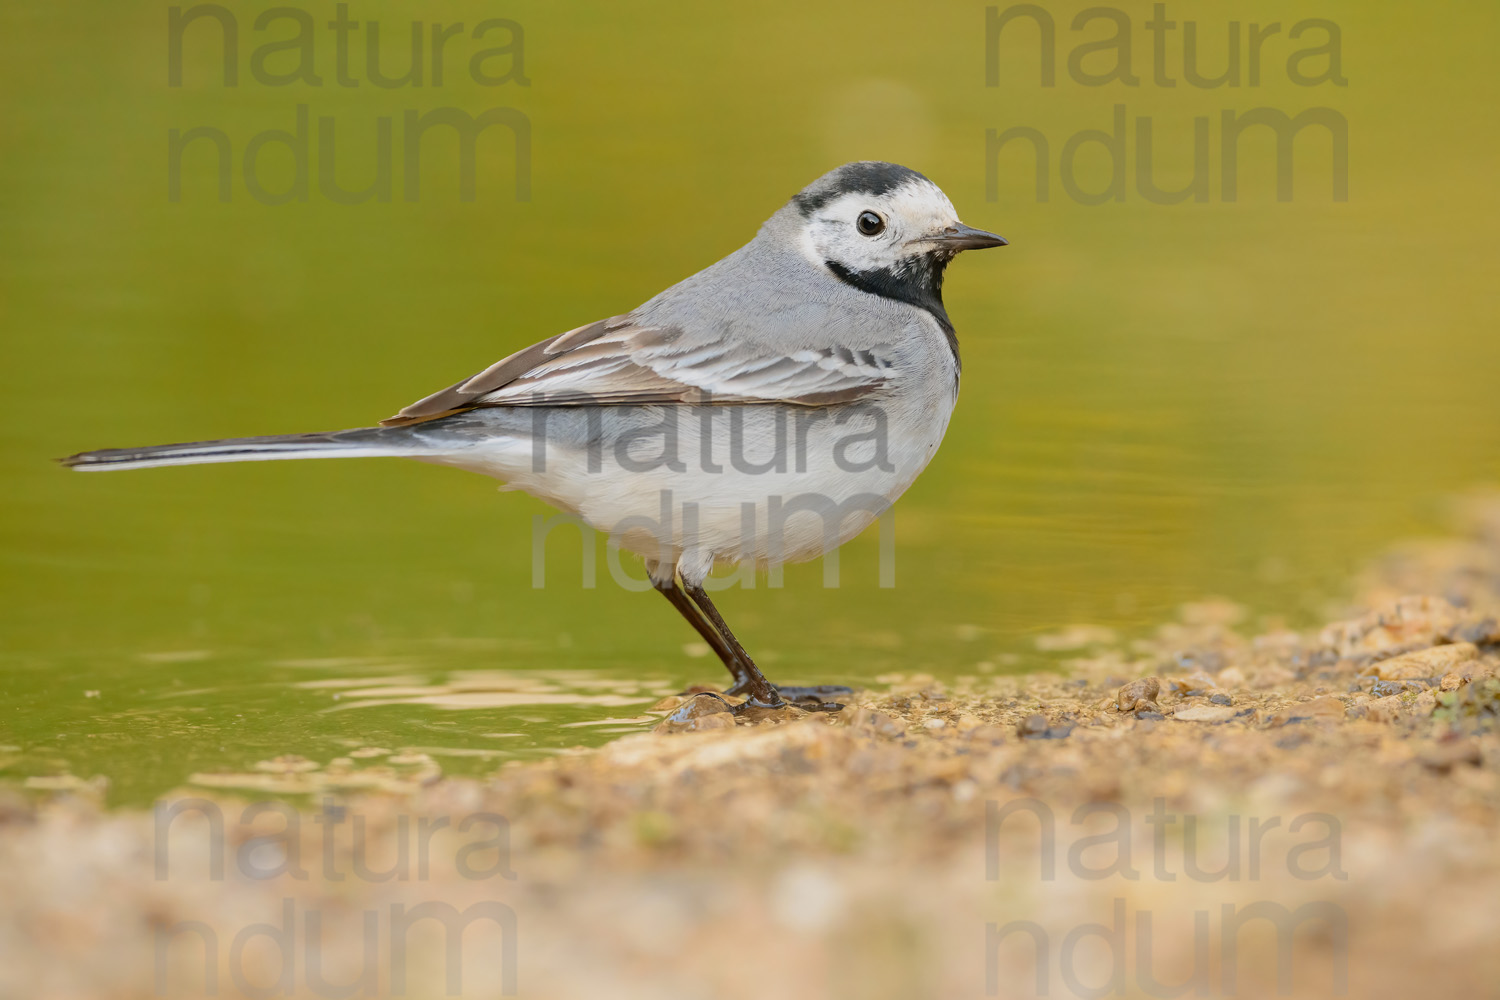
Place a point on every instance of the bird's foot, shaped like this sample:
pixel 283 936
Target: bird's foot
pixel 809 699
pixel 815 697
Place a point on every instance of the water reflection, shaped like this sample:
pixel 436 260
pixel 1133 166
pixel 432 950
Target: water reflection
pixel 290 726
pixel 471 689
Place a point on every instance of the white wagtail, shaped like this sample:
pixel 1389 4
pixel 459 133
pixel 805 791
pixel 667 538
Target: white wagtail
pixel 765 410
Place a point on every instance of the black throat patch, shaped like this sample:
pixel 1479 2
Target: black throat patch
pixel 920 285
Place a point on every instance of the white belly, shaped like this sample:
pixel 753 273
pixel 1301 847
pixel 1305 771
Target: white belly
pixel 688 487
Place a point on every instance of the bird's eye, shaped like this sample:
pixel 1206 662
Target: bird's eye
pixel 870 224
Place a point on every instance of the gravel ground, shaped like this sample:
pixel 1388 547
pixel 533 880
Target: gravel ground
pixel 1202 813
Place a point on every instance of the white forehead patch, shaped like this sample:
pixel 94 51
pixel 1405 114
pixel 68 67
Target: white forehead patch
pixel 923 204
pixel 914 209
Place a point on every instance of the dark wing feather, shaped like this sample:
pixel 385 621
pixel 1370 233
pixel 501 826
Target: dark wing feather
pixel 617 362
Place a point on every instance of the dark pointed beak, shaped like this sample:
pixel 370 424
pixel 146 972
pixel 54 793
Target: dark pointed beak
pixel 957 237
pixel 962 237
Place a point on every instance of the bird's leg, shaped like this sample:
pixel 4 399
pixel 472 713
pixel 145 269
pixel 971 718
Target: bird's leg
pixel 749 680
pixel 695 618
pixel 737 661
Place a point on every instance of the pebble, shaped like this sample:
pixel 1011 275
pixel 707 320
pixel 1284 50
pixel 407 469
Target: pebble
pixel 1032 727
pixel 1139 695
pixel 1204 713
pixel 699 713
pixel 1434 662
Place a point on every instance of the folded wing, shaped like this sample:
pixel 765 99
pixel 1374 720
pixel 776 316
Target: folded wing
pixel 617 361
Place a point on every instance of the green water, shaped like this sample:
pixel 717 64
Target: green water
pixel 1160 402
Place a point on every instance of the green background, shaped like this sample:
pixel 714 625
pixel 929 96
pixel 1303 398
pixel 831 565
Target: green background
pixel 1160 402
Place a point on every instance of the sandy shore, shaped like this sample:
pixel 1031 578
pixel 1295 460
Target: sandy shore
pixel 1304 814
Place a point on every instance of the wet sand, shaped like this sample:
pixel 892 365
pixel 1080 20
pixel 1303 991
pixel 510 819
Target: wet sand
pixel 1298 813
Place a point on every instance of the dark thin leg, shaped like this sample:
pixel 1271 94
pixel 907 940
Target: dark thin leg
pixel 755 683
pixel 738 662
pixel 716 642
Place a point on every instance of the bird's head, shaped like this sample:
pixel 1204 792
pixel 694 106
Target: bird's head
pixel 885 229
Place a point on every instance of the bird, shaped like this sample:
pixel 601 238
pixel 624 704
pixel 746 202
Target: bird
pixel 762 411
